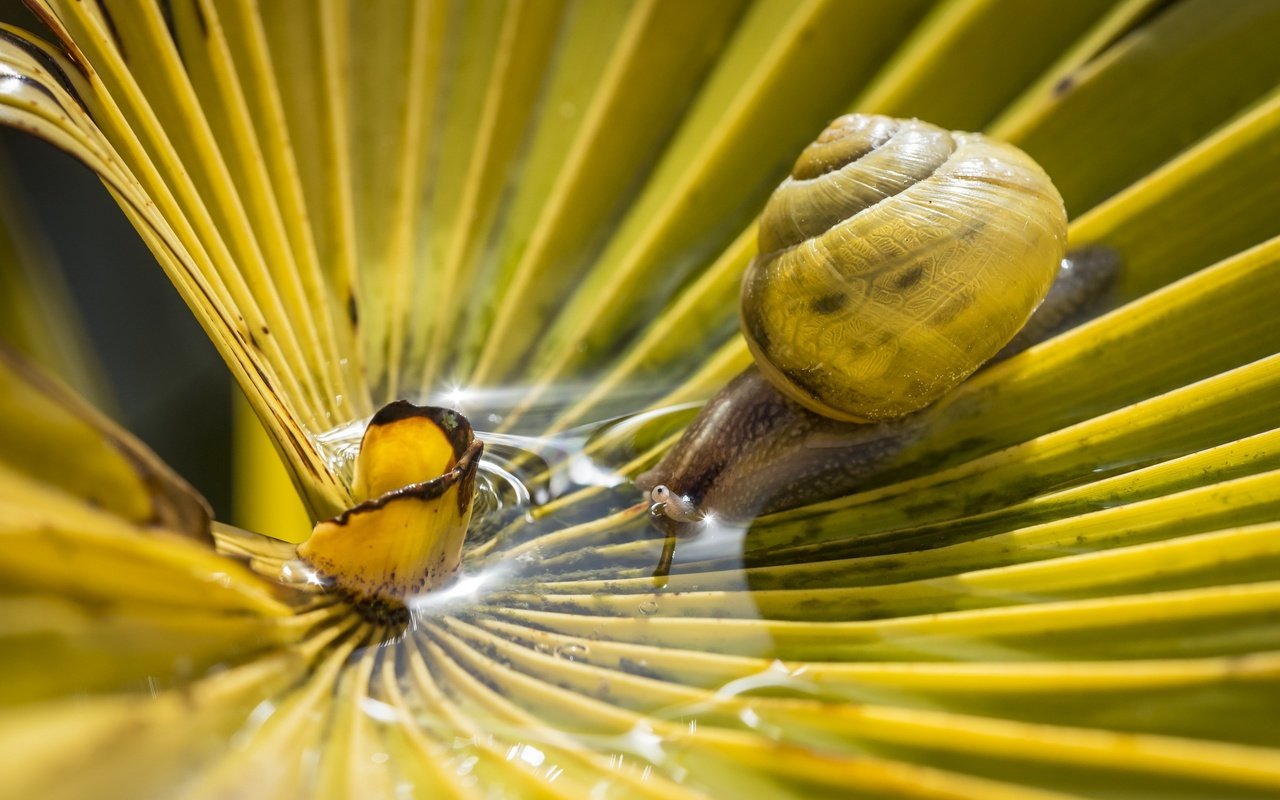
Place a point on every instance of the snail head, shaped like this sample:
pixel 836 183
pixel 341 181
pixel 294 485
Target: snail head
pixel 672 507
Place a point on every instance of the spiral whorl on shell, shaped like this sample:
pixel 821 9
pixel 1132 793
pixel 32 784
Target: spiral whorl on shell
pixel 894 261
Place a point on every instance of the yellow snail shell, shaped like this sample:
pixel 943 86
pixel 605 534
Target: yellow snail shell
pixel 896 259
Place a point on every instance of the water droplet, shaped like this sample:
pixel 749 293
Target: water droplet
pixel 571 652
pixel 649 607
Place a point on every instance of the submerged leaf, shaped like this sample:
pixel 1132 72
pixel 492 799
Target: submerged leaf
pixel 415 480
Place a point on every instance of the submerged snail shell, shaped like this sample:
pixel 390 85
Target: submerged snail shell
pixel 894 261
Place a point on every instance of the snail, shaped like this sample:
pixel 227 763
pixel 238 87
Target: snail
pixel 896 260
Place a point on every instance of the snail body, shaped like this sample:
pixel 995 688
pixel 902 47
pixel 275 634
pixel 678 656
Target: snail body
pixel 755 447
pixel 896 260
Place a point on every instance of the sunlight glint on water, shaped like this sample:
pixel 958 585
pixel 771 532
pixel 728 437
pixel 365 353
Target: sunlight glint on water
pixel 518 470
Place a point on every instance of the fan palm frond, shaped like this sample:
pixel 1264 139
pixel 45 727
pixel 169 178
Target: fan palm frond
pixel 540 212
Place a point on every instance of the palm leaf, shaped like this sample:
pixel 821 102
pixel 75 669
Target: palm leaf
pixel 540 211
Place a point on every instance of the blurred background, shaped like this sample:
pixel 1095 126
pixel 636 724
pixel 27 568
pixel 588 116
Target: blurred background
pixel 161 377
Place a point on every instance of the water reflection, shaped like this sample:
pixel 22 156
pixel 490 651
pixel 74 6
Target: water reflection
pixel 559 511
pixel 843 637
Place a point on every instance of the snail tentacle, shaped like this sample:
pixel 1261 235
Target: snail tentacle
pixel 675 506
